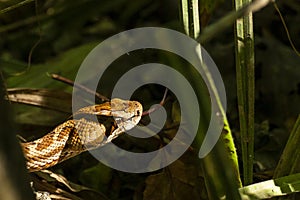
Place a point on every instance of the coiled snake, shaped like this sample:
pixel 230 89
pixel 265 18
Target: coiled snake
pixel 81 134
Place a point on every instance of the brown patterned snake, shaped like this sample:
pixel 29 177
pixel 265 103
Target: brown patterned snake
pixel 78 135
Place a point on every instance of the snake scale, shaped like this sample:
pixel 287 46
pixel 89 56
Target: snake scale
pixel 82 133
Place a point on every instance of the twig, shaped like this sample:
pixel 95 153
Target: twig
pixel 10 8
pixel 147 112
pixel 79 86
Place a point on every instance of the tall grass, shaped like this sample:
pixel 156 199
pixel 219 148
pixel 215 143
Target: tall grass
pixel 221 171
pixel 220 166
pixel 244 54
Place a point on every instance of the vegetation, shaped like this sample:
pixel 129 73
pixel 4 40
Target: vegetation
pixel 257 158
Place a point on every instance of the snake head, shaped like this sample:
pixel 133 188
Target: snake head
pixel 127 114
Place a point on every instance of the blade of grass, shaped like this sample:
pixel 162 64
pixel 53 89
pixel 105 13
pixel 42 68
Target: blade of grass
pixel 10 8
pixel 272 188
pixel 12 163
pixel 196 21
pixel 289 162
pixel 290 158
pixel 226 22
pixel 244 43
pixel 185 15
pixel 221 165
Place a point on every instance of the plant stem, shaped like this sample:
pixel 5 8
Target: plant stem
pixel 245 87
pixel 10 8
pixel 290 158
pixel 220 165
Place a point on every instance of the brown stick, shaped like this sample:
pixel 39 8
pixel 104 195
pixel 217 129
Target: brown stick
pixel 79 86
pixel 147 112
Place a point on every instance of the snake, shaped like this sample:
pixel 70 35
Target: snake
pixel 82 133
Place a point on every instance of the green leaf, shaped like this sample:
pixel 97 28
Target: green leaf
pixel 272 188
pixel 36 76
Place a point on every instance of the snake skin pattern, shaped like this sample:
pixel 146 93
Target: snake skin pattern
pixel 78 135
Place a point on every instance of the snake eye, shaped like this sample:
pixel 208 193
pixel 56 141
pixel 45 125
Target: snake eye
pixel 138 112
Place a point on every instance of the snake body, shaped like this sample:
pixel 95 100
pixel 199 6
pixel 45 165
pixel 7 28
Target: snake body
pixel 78 135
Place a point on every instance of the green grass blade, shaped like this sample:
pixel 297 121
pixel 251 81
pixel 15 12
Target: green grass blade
pixel 220 166
pixel 272 188
pixel 185 15
pixel 244 42
pixel 290 159
pixel 10 8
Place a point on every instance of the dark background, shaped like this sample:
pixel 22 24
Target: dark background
pixel 59 34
